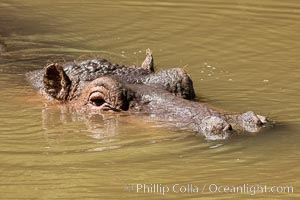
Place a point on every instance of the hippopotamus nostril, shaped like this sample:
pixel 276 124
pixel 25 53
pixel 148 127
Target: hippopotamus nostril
pixel 214 128
pixel 251 122
pixel 258 122
pixel 262 119
pixel 228 127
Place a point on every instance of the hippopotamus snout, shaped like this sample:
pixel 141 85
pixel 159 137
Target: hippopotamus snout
pixel 215 128
pixel 252 122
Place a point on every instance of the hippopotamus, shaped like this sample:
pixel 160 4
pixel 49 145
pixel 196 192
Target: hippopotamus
pixel 97 86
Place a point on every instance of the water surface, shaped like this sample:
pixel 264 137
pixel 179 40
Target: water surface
pixel 241 54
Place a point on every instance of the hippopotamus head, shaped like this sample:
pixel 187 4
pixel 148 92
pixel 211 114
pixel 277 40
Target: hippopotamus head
pixel 97 86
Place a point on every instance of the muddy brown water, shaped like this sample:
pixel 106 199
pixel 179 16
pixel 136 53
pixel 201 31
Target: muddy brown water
pixel 241 54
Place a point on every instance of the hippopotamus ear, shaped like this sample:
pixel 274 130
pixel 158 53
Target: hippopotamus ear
pixel 148 62
pixel 55 81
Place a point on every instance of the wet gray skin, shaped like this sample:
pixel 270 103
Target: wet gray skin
pixel 96 86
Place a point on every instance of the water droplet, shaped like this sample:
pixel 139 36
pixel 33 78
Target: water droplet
pixel 215 146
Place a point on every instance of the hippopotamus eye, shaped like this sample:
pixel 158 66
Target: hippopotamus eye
pixel 97 102
pixel 96 98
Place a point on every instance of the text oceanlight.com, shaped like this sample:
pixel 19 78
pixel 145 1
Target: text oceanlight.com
pixel 251 189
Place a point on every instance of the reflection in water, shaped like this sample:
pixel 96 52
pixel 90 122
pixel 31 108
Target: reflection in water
pixel 99 127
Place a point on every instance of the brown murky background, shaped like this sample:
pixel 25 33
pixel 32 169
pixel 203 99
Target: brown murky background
pixel 242 55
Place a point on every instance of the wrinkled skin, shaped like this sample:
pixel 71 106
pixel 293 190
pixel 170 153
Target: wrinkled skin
pixel 96 86
pixel 67 82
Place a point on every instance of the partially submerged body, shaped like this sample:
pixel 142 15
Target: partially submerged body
pixel 96 86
